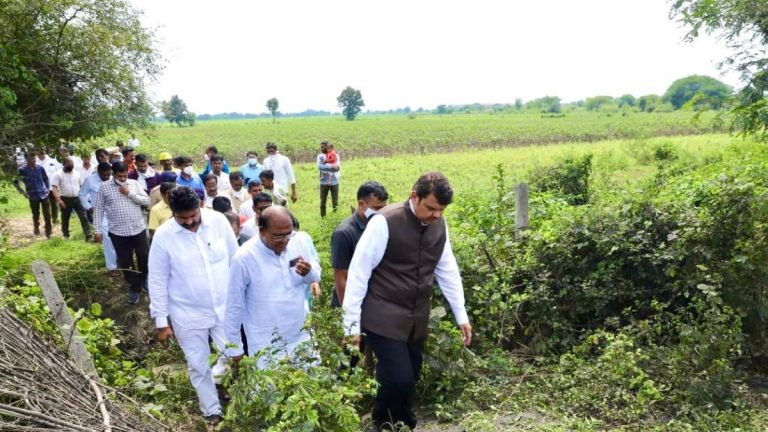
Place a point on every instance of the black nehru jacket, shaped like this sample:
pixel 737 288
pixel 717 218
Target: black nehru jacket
pixel 398 299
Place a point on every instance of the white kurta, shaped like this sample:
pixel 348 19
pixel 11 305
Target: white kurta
pixel 267 296
pixel 188 273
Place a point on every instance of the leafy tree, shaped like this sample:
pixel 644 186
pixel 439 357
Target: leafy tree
pixel 546 104
pixel 712 93
pixel 72 69
pixel 443 109
pixel 626 100
pixel 175 111
pixel 742 24
pixel 351 102
pixel 594 103
pixel 518 104
pixel 649 103
pixel 272 106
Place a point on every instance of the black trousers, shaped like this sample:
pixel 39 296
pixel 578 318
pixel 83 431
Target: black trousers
pixel 398 365
pixel 73 203
pixel 125 248
pixel 34 205
pixel 334 189
pixel 54 207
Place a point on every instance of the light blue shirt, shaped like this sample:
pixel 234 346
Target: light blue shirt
pixel 193 183
pixel 251 172
pixel 89 190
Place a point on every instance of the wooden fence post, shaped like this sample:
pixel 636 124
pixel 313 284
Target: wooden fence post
pixel 75 346
pixel 521 210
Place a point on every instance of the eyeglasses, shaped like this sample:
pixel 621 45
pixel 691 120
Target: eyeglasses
pixel 282 237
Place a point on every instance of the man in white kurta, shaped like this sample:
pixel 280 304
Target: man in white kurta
pixel 188 272
pixel 267 282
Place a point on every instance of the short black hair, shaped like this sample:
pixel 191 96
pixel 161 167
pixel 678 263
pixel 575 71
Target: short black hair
pixel 217 158
pixel 182 199
pixel 434 183
pixel 104 166
pixel 271 145
pixel 126 150
pixel 212 148
pixel 119 166
pixel 251 152
pixel 222 204
pixel 141 157
pixel 372 188
pixel 181 160
pixel 166 186
pixel 236 175
pixel 101 151
pixel 210 176
pixel 252 183
pixel 261 197
pixel 267 174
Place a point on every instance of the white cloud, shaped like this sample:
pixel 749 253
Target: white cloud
pixel 234 55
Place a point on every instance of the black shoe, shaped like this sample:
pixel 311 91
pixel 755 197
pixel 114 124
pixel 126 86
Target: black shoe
pixel 212 421
pixel 133 297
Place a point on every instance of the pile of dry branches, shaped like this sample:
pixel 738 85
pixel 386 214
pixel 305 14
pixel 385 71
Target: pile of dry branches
pixel 41 391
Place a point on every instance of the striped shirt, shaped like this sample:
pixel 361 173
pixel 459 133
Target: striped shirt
pixel 123 211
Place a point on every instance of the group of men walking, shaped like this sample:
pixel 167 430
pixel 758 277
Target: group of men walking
pixel 247 267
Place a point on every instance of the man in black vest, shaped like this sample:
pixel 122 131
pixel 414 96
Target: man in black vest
pixel 403 250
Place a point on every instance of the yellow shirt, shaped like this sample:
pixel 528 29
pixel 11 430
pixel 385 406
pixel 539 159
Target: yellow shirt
pixel 159 214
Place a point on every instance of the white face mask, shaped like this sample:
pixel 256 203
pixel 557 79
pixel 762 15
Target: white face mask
pixel 188 170
pixel 272 157
pixel 121 183
pixel 369 212
pixel 207 157
pixel 252 161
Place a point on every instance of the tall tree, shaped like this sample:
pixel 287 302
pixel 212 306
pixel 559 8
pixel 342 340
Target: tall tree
pixel 272 106
pixel 175 111
pixel 707 90
pixel 72 69
pixel 743 25
pixel 351 102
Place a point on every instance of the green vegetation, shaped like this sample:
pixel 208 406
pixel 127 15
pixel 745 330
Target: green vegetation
pixel 370 136
pixel 72 69
pixel 175 112
pixel 351 102
pixel 634 301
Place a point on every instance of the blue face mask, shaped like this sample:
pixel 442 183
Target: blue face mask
pixel 252 161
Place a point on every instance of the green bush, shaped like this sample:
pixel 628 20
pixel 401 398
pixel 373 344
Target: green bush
pixel 569 179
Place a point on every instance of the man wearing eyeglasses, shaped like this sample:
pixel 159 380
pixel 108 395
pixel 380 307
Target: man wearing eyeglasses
pixel 188 269
pixel 267 280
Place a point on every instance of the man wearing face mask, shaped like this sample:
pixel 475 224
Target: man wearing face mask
pixel 66 186
pixel 281 167
pixel 188 272
pixel 371 197
pixel 121 200
pixel 209 154
pixel 88 196
pixel 188 176
pixel 403 251
pixel 252 168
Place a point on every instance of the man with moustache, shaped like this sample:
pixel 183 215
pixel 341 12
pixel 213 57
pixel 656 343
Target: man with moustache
pixel 88 196
pixel 66 186
pixel 404 249
pixel 188 271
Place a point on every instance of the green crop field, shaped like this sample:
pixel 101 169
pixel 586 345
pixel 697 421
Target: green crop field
pixel 421 134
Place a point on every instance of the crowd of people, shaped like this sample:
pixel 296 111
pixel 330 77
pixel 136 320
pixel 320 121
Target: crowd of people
pixel 223 259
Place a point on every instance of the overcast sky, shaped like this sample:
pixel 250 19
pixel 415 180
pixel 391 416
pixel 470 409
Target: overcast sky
pixel 234 55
